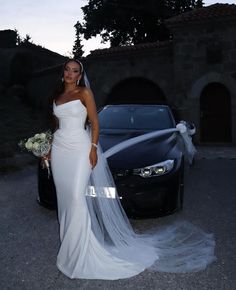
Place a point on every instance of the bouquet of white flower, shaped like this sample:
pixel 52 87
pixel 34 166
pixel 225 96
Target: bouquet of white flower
pixel 39 145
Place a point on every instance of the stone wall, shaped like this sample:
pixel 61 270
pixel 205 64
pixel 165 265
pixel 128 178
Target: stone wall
pixel 7 38
pixel 108 69
pixel 6 57
pixel 203 54
pixel 42 85
pixel 18 64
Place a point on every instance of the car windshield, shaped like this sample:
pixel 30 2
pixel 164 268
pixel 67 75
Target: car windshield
pixel 136 117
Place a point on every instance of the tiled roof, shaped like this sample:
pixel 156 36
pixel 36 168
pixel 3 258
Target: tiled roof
pixel 205 13
pixel 127 48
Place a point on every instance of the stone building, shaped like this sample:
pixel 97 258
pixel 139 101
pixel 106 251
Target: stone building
pixel 18 62
pixel 195 72
pixel 8 38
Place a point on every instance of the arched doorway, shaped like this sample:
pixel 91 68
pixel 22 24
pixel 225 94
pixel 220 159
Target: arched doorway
pixel 215 114
pixel 136 91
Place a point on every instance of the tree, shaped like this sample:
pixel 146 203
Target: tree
pixel 199 3
pixel 18 37
pixel 23 41
pixel 27 39
pixel 124 22
pixel 78 47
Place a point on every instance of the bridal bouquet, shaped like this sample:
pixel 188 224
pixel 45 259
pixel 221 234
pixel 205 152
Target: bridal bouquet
pixel 39 145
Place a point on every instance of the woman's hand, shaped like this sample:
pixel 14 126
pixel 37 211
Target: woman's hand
pixel 93 157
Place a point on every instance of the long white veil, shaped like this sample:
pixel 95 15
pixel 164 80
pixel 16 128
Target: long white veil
pixel 180 247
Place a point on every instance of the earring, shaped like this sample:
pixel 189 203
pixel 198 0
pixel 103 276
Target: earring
pixel 62 80
pixel 77 82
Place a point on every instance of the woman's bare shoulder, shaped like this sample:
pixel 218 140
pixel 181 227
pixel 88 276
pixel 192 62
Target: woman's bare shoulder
pixel 86 93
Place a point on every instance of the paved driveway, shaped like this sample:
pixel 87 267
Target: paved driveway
pixel 29 234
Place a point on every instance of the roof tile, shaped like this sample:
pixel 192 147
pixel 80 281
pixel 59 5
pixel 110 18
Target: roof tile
pixel 127 48
pixel 205 13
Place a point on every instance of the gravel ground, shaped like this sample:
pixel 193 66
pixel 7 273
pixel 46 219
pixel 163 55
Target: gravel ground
pixel 29 238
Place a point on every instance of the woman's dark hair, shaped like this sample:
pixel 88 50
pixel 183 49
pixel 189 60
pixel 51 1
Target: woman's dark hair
pixel 61 86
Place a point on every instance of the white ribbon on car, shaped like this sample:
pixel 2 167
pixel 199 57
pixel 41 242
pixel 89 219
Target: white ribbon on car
pixel 185 133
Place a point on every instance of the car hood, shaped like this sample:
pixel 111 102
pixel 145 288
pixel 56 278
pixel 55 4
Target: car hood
pixel 145 153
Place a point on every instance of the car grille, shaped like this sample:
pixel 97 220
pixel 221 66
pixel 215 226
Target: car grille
pixel 118 174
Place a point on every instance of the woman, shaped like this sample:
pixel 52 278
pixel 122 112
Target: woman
pixel 97 241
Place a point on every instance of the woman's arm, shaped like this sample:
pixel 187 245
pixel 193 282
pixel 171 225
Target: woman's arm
pixel 93 118
pixel 92 114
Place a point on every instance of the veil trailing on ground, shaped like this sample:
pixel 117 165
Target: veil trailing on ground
pixel 180 247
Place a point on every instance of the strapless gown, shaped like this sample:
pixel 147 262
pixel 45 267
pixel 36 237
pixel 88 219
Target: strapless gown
pixel 82 254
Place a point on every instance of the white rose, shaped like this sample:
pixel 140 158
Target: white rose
pixel 28 145
pixel 35 145
pixel 42 136
pixel 36 135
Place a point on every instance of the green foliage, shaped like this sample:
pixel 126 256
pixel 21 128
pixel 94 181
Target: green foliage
pixel 78 47
pixel 124 22
pixel 17 37
pixel 20 41
pixel 27 39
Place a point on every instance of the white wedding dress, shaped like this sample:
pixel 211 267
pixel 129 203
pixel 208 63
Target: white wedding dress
pixel 97 241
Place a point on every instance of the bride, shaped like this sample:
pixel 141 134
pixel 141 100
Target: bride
pixel 97 240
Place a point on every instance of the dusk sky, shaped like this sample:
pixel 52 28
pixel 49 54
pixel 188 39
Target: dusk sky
pixel 50 23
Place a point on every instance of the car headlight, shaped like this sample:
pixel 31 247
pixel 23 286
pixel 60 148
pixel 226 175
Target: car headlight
pixel 156 169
